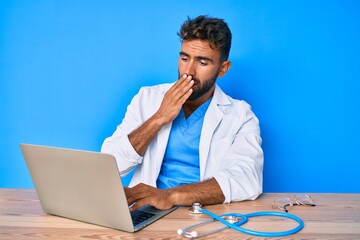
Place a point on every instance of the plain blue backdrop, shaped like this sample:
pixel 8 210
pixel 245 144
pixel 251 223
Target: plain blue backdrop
pixel 68 70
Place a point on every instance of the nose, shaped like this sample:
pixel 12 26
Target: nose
pixel 190 68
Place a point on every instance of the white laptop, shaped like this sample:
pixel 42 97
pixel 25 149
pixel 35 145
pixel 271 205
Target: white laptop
pixel 84 186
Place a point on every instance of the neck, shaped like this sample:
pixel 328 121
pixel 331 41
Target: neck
pixel 191 105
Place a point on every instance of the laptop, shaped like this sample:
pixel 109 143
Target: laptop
pixel 84 186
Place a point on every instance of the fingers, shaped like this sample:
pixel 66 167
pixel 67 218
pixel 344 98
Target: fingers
pixel 174 98
pixel 182 89
pixel 143 194
pixel 137 193
pixel 183 79
pixel 130 195
pixel 139 204
pixel 138 196
pixel 187 94
pixel 126 190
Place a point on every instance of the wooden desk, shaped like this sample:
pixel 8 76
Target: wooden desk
pixel 336 216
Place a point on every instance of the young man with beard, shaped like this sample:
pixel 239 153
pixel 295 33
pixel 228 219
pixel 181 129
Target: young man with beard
pixel 188 140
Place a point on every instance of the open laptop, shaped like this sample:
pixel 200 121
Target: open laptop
pixel 84 186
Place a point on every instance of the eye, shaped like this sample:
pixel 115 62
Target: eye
pixel 184 58
pixel 203 63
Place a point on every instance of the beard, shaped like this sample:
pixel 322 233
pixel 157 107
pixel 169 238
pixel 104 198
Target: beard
pixel 201 89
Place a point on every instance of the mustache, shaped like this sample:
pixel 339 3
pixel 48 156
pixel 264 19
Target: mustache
pixel 196 81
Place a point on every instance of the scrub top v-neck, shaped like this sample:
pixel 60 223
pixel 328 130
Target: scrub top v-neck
pixel 181 160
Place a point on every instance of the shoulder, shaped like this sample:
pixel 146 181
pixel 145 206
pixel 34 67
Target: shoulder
pixel 151 94
pixel 148 99
pixel 229 105
pixel 240 106
pixel 155 90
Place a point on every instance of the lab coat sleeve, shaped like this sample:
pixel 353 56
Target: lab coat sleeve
pixel 118 144
pixel 240 177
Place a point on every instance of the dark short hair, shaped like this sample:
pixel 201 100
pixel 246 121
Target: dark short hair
pixel 213 30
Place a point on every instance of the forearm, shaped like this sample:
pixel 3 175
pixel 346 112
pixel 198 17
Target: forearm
pixel 173 100
pixel 207 192
pixel 142 136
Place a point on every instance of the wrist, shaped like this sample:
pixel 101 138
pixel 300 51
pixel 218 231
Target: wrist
pixel 173 197
pixel 159 120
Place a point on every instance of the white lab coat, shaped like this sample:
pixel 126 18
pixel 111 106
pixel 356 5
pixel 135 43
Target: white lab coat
pixel 230 144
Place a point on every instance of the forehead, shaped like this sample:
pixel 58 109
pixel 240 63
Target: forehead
pixel 199 48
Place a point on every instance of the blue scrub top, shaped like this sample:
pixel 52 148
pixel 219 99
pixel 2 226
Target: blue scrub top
pixel 181 164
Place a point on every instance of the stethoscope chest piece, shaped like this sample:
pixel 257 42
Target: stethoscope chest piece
pixel 232 219
pixel 195 209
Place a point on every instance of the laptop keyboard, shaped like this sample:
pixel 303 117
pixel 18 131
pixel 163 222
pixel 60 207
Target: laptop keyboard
pixel 140 216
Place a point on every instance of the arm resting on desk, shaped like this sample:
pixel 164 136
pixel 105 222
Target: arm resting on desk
pixel 207 192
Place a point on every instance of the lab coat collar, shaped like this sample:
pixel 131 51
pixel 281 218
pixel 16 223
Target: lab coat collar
pixel 220 98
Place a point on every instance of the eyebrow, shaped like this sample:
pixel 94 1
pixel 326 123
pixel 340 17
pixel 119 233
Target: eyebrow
pixel 197 57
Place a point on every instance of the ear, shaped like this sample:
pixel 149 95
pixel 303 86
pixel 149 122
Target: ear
pixel 225 66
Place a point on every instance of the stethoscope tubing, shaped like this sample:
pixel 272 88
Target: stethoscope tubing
pixel 245 218
pixel 187 234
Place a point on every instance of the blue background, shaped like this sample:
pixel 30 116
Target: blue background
pixel 68 69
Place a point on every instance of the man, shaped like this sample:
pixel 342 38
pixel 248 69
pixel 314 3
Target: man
pixel 188 140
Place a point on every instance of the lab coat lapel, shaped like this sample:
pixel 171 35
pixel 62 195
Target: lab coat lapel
pixel 160 145
pixel 213 117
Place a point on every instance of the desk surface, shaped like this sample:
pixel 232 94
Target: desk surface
pixel 336 216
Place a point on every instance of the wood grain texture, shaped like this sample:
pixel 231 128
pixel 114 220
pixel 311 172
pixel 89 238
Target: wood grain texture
pixel 336 216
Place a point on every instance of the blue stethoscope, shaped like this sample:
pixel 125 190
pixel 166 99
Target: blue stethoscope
pixel 235 220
